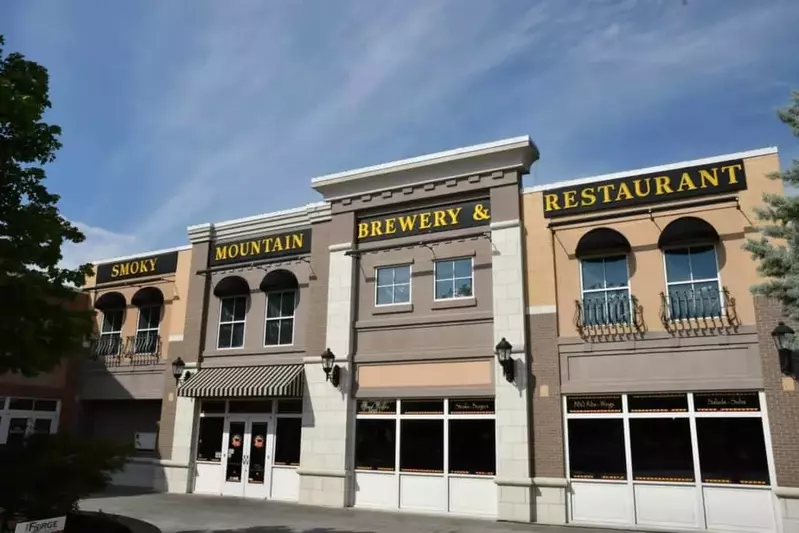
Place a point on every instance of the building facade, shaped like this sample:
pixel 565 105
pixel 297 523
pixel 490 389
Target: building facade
pixel 432 337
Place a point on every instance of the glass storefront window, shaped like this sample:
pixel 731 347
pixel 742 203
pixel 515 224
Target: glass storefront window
pixel 422 407
pixel 20 404
pixel 289 407
pixel 596 449
pixel 732 450
pixel 422 446
pixel 375 444
pixel 289 437
pixel 250 406
pixel 209 440
pixel 474 450
pixel 661 449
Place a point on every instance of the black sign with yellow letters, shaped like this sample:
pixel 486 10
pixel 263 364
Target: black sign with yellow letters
pixel 272 246
pixel 423 221
pixel 153 265
pixel 677 184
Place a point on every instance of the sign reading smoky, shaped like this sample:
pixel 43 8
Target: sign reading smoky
pixel 140 267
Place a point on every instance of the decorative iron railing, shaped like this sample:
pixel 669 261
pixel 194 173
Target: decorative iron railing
pixel 621 312
pixel 703 305
pixel 142 348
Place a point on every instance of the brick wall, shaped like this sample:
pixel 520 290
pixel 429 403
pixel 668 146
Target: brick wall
pixel 783 405
pixel 547 438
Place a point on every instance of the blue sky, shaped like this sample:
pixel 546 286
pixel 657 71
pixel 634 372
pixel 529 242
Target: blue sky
pixel 181 112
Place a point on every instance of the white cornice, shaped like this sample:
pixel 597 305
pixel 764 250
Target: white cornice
pixel 648 170
pixel 285 220
pixel 143 254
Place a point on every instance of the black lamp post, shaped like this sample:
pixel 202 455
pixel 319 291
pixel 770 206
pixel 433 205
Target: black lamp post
pixel 504 349
pixel 783 338
pixel 177 369
pixel 332 370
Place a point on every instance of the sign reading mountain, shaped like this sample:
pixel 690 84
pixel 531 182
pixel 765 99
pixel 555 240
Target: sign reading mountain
pixel 423 221
pixel 149 265
pixel 631 191
pixel 261 248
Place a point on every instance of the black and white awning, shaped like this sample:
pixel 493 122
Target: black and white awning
pixel 245 381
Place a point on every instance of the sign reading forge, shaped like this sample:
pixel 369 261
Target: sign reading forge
pixel 424 221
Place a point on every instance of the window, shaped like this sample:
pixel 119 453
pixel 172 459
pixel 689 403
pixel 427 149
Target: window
pixel 375 444
pixel 393 285
pixel 596 449
pixel 111 333
pixel 289 436
pixel 475 452
pixel 232 315
pixel 692 280
pixel 454 279
pixel 422 446
pixel 606 291
pixel 147 329
pixel 280 318
pixel 732 450
pixel 661 449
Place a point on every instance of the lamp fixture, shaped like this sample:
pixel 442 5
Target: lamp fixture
pixel 178 366
pixel 504 349
pixel 332 370
pixel 783 336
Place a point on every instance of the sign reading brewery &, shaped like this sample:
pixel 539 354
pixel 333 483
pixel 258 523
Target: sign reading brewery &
pixel 664 186
pixel 140 267
pixel 259 248
pixel 423 221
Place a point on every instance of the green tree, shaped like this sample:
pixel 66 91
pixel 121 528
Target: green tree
pixel 37 329
pixel 777 249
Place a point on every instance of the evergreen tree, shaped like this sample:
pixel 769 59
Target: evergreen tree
pixel 38 323
pixel 777 249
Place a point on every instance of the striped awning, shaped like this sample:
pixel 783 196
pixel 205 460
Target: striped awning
pixel 245 381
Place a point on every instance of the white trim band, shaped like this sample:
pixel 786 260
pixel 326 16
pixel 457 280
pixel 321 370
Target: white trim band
pixel 505 224
pixel 143 254
pixel 542 309
pixel 340 247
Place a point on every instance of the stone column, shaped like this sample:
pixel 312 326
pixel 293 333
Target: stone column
pixel 177 469
pixel 325 471
pixel 515 486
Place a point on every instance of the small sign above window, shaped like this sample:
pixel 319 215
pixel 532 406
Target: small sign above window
pixel 657 403
pixel 726 401
pixel 593 404
pixel 481 406
pixel 377 407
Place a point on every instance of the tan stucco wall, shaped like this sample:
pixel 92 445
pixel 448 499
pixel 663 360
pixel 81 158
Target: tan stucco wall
pixel 455 374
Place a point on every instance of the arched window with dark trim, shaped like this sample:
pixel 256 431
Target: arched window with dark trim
pixel 233 293
pixel 692 271
pixel 282 296
pixel 604 277
pixel 112 305
pixel 150 303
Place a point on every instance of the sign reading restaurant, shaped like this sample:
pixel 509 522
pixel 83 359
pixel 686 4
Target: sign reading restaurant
pixel 676 184
pixel 269 247
pixel 151 265
pixel 423 221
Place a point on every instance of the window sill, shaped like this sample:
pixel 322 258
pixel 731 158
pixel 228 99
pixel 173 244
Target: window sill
pixel 392 309
pixel 455 303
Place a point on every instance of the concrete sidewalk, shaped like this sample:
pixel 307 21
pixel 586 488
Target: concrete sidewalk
pixel 189 513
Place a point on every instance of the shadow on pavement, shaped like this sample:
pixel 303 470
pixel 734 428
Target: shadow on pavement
pixel 114 491
pixel 277 529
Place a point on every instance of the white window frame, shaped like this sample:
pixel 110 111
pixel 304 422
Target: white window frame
pixel 453 278
pixel 232 322
pixel 139 330
pixel 278 319
pixel 717 279
pixel 583 290
pixel 394 284
pixel 6 414
pixel 114 332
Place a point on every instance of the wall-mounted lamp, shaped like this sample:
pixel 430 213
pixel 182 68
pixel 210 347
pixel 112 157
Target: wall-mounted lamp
pixel 332 370
pixel 178 366
pixel 783 338
pixel 503 350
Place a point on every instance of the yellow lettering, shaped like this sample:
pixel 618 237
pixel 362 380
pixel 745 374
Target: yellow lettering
pixel 569 199
pixel 663 185
pixel 624 192
pixel 440 218
pixel 220 254
pixel 363 230
pixel 454 213
pixel 152 264
pixel 296 240
pixel 277 245
pixel 605 190
pixel 551 202
pixel 124 269
pixel 233 251
pixel 255 247
pixel 376 229
pixel 115 271
pixel 731 170
pixel 639 192
pixel 424 221
pixel 706 178
pixel 588 197
pixel 408 222
pixel 686 183
pixel 134 267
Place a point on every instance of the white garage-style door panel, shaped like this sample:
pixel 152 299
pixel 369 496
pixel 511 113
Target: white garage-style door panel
pixel 600 503
pixel 734 509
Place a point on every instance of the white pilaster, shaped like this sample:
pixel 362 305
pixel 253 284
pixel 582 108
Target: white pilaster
pixel 177 470
pixel 516 497
pixel 324 473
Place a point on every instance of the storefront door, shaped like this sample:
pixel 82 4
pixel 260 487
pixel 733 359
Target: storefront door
pixel 247 456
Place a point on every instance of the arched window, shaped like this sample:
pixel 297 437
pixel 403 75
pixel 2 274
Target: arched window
pixel 282 295
pixel 112 306
pixel 692 271
pixel 233 293
pixel 150 302
pixel 604 277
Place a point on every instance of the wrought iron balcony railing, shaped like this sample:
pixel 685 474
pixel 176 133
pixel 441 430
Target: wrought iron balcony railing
pixel 142 348
pixel 705 305
pixel 622 312
pixel 109 345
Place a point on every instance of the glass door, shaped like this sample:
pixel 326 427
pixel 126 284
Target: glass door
pixel 233 464
pixel 258 458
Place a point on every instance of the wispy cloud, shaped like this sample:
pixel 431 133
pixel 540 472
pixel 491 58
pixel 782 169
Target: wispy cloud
pixel 230 108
